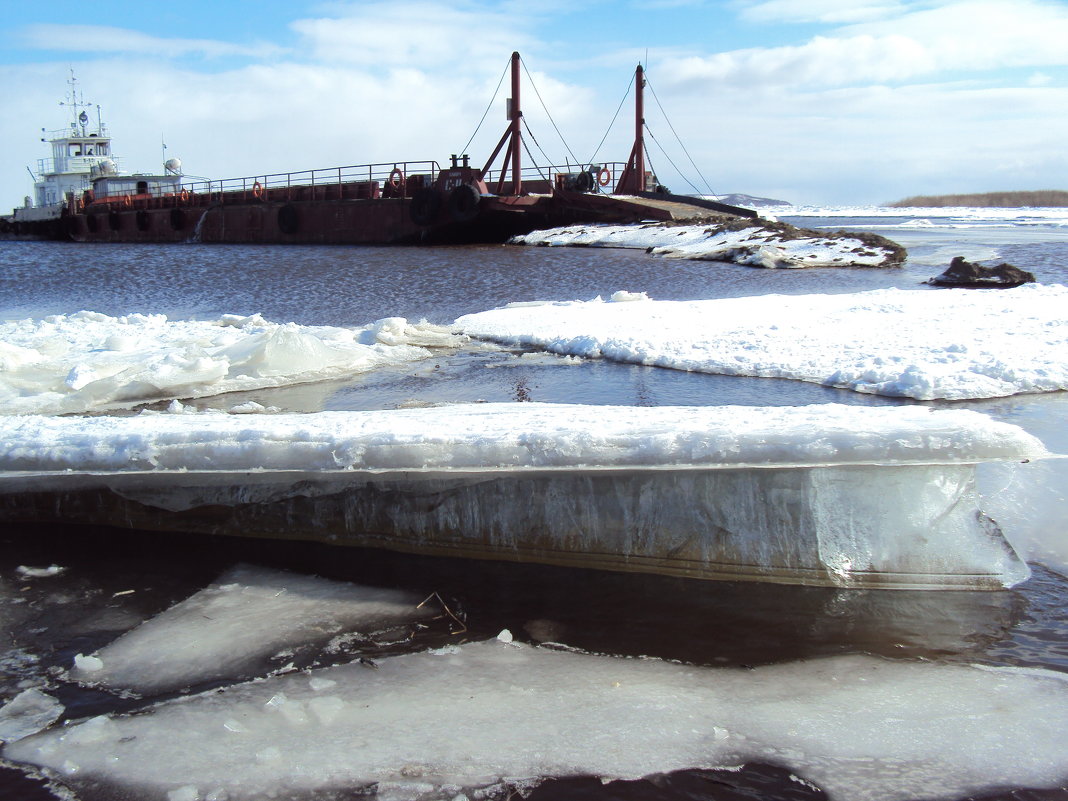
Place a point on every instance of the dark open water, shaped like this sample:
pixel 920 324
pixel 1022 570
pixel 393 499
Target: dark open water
pixel 47 621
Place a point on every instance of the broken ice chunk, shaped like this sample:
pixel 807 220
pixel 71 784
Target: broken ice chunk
pixel 28 713
pixel 231 628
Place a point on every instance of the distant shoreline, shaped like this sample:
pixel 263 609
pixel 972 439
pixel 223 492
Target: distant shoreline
pixel 1043 198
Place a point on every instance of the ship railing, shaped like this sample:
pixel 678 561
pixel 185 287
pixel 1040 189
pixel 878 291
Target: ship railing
pixel 75 164
pixel 76 133
pixel 541 180
pixel 354 182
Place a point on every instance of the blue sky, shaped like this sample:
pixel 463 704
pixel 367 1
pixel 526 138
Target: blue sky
pixel 814 101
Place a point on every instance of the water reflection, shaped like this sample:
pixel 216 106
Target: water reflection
pixel 702 622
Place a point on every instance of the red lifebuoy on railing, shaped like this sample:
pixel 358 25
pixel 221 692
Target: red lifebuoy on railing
pixel 257 190
pixel 396 178
pixel 127 201
pixel 185 195
pixel 604 177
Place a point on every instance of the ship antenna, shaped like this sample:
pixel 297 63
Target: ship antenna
pixel 77 104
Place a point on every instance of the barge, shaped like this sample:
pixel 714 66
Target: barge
pixel 82 197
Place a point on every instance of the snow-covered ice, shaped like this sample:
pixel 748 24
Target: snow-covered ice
pixel 510 436
pixel 925 344
pixel 89 361
pixel 756 245
pixel 432 723
pixel 229 628
pixel 27 713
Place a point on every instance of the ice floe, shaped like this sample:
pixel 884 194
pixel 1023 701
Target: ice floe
pixel 39 572
pixel 754 243
pixel 952 344
pixel 509 436
pixel 229 629
pixel 87 361
pixel 27 713
pixel 431 724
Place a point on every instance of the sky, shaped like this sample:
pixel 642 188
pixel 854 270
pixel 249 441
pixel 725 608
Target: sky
pixel 819 102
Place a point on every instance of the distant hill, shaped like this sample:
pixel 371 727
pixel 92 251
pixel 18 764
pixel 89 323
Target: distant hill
pixel 1047 198
pixel 738 199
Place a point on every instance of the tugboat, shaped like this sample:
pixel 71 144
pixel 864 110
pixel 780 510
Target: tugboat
pixel 81 157
pixel 385 203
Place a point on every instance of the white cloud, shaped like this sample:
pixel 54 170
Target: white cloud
pixel 822 61
pixel 834 12
pixel 107 40
pixel 458 37
pixel 973 35
pixel 983 35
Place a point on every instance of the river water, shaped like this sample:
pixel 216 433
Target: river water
pixel 113 580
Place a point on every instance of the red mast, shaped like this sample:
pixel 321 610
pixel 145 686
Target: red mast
pixel 512 154
pixel 517 178
pixel 633 179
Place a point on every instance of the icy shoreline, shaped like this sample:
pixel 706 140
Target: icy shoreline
pixel 759 243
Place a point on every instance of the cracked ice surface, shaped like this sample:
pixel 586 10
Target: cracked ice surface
pixel 925 344
pixel 429 723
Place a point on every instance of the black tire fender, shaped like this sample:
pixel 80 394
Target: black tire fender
pixel 463 202
pixel 288 219
pixel 425 206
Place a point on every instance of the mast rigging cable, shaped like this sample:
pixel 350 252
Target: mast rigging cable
pixel 679 140
pixel 488 107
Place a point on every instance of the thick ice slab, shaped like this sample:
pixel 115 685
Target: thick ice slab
pixel 510 436
pixel 833 495
pixel 227 630
pixel 80 362
pixel 923 344
pixel 756 245
pixel 859 727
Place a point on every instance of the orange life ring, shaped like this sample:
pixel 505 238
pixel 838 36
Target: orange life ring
pixel 604 177
pixel 185 195
pixel 257 190
pixel 127 201
pixel 396 178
